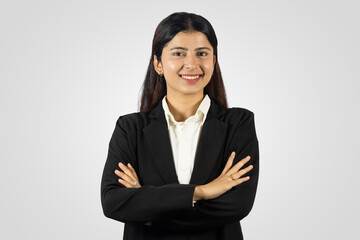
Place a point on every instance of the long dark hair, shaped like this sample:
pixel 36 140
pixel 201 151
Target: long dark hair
pixel 154 85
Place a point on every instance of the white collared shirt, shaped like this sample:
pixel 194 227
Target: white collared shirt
pixel 184 137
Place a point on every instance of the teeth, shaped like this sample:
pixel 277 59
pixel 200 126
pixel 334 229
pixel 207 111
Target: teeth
pixel 188 77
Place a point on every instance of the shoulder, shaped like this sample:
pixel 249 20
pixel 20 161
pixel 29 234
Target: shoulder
pixel 240 112
pixel 133 120
pixel 237 116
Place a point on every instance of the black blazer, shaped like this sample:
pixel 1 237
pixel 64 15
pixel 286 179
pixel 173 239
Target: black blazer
pixel 162 208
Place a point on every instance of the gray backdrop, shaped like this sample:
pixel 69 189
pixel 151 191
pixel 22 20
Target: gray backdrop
pixel 69 69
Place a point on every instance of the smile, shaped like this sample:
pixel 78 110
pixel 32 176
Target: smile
pixel 190 78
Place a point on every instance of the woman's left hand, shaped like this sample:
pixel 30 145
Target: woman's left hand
pixel 128 177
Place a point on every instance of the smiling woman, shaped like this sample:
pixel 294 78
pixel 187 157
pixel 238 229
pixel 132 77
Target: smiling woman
pixel 187 64
pixel 185 166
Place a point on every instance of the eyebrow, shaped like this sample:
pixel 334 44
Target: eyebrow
pixel 196 49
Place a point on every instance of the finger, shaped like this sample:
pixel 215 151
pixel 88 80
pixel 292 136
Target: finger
pixel 125 183
pixel 131 184
pixel 240 181
pixel 135 175
pixel 133 171
pixel 124 176
pixel 242 172
pixel 126 170
pixel 239 165
pixel 228 163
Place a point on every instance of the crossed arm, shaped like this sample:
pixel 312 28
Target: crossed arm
pixel 226 199
pixel 229 178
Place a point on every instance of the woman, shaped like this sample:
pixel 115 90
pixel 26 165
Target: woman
pixel 186 166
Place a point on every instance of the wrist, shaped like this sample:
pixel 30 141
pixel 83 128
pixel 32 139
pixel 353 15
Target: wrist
pixel 198 193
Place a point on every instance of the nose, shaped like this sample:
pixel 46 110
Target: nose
pixel 191 62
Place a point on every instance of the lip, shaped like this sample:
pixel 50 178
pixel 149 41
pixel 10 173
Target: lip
pixel 190 75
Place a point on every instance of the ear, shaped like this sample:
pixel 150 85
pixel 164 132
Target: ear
pixel 214 61
pixel 158 66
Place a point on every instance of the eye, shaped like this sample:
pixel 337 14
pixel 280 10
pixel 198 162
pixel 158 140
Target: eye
pixel 178 54
pixel 203 54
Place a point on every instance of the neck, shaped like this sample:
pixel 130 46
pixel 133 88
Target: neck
pixel 184 106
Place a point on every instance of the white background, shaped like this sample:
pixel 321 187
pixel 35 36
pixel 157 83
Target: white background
pixel 69 69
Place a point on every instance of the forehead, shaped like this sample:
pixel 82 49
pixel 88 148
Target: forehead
pixel 189 40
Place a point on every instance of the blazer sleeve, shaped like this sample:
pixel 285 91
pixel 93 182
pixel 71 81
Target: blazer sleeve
pixel 138 205
pixel 233 205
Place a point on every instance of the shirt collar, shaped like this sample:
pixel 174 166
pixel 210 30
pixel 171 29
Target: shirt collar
pixel 199 116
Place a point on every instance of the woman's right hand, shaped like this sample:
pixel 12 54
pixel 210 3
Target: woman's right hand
pixel 229 178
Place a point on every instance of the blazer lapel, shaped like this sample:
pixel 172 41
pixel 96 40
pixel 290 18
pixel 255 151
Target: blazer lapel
pixel 211 140
pixel 158 139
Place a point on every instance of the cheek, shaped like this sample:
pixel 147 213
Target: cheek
pixel 172 67
pixel 208 66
